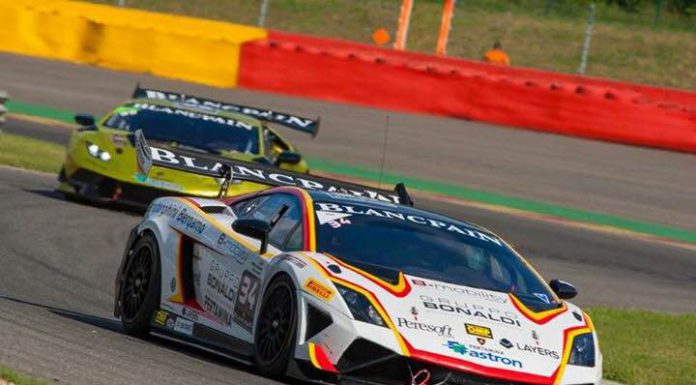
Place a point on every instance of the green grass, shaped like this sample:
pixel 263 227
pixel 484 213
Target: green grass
pixel 647 348
pixel 20 151
pixel 12 376
pixel 626 46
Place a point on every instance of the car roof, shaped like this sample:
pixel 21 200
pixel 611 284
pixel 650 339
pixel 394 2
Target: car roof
pixel 341 198
pixel 200 109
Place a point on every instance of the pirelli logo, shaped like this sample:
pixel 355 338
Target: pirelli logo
pixel 479 331
pixel 319 290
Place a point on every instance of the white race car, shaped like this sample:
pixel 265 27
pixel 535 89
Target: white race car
pixel 336 288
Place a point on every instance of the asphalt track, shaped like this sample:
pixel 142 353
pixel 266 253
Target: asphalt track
pixel 58 258
pixel 644 184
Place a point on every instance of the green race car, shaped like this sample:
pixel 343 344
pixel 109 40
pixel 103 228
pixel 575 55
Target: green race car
pixel 101 166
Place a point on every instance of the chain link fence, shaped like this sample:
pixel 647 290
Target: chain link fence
pixel 645 41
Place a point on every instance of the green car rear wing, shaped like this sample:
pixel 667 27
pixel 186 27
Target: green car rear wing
pixel 310 126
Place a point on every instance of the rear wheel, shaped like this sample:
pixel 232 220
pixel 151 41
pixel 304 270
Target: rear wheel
pixel 276 327
pixel 139 295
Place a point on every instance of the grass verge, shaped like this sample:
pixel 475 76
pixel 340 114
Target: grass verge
pixel 20 151
pixel 631 46
pixel 647 348
pixel 11 376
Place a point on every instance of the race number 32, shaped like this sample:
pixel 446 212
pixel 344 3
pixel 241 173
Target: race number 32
pixel 247 297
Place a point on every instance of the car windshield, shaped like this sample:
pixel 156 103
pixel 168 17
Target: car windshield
pixel 186 128
pixel 428 246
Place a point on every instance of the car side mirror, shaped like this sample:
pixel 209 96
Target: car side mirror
pixel 288 157
pixel 254 228
pixel 86 121
pixel 563 289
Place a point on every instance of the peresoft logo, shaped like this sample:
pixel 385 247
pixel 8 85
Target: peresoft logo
pixel 442 331
pixel 319 290
pixel 465 351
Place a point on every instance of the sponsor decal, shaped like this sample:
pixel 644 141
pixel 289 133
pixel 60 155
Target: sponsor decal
pixel 119 141
pixel 462 290
pixel 492 357
pixel 220 312
pixel 335 220
pixel 297 262
pixel 319 290
pixel 194 115
pixel 324 208
pixel 543 297
pixel 190 314
pixel 166 209
pixel 232 248
pixel 530 349
pixel 142 178
pixel 414 313
pixel 172 285
pixel 482 348
pixel 506 343
pixel 264 114
pixel 216 284
pixel 440 331
pixel 535 336
pixel 256 266
pixel 161 317
pixel 247 297
pixel 221 281
pixel 538 350
pixel 479 331
pixel 453 307
pixel 481 341
pixel 142 155
pixel 190 222
pixel 183 326
pixel 167 158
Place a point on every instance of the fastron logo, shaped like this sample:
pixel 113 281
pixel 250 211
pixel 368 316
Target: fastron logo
pixel 465 351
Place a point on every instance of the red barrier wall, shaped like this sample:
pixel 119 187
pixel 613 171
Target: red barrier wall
pixel 545 101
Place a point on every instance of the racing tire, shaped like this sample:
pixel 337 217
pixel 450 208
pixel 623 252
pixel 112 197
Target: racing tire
pixel 139 294
pixel 276 327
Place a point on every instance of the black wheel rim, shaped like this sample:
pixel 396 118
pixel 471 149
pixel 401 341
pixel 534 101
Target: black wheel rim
pixel 136 283
pixel 275 324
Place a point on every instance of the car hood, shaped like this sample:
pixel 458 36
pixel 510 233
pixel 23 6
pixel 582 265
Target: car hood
pixel 470 328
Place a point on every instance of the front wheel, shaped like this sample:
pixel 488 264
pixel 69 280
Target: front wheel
pixel 276 327
pixel 139 294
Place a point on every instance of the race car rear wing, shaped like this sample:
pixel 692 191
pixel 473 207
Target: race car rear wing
pixel 229 170
pixel 310 126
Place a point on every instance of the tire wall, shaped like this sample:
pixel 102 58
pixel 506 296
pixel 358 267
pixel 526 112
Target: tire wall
pixel 171 46
pixel 544 101
pixel 228 55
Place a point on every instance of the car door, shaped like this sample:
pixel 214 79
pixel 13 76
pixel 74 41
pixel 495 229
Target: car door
pixel 229 283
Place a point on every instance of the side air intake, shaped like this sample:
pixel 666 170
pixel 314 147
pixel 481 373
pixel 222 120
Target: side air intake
pixel 317 321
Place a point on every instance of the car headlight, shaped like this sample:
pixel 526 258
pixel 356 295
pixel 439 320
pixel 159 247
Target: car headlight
pixel 97 152
pixel 360 306
pixel 582 352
